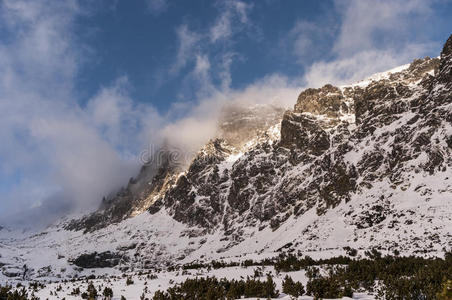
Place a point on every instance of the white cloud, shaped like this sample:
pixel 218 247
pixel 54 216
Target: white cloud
pixel 222 29
pixel 52 148
pixel 157 6
pixel 67 154
pixel 201 118
pixel 198 50
pixel 85 166
pixel 38 50
pixel 202 65
pixel 224 72
pixel 374 25
pixel 234 16
pixel 122 122
pixel 188 47
pixel 307 40
pixel 360 65
pixel 373 36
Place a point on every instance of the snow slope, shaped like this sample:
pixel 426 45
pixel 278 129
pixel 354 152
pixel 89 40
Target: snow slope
pixel 363 166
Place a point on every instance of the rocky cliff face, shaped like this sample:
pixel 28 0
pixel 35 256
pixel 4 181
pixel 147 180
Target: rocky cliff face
pixel 372 160
pixel 239 128
pixel 151 183
pixel 322 156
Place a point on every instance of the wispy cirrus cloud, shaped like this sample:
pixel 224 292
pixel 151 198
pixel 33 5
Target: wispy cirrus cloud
pixel 234 17
pixel 307 41
pixel 208 53
pixel 58 155
pixel 157 7
pixel 188 46
pixel 53 150
pixel 370 25
pixel 371 37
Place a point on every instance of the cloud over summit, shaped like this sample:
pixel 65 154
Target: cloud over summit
pixel 61 151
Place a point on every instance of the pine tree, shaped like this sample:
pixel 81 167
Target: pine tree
pixel 159 295
pixel 129 281
pixel 446 293
pixel 292 288
pixel 108 293
pixel 91 292
pixel 270 287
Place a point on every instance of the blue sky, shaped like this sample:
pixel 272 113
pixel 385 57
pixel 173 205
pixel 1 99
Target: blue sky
pixel 86 86
pixel 129 38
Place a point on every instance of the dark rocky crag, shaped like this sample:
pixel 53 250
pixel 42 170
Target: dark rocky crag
pixel 153 179
pixel 337 142
pixel 315 138
pixel 237 125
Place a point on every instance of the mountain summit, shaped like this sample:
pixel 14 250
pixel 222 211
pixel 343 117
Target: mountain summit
pixel 362 166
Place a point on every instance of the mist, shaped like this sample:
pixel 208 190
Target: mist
pixel 59 158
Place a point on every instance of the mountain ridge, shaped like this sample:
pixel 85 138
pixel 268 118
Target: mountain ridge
pixel 365 166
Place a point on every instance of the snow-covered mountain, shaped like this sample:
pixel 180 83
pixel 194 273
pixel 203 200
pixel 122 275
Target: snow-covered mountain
pixel 367 165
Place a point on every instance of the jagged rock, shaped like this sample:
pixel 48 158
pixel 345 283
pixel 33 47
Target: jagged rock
pixel 304 133
pixel 152 181
pixel 200 185
pixel 238 124
pixel 324 101
pixel 12 272
pixel 98 260
pixel 445 67
pixel 369 144
pixel 318 146
pixel 315 137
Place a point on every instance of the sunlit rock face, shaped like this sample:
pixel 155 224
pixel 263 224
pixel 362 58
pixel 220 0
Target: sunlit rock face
pixel 365 165
pixel 337 142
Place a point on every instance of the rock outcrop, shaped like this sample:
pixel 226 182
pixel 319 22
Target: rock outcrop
pixel 374 144
pixel 322 157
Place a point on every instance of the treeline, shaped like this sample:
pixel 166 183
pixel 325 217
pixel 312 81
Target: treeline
pixel 397 277
pixel 387 277
pixel 213 264
pixel 19 293
pixel 290 262
pixel 284 263
pixel 211 288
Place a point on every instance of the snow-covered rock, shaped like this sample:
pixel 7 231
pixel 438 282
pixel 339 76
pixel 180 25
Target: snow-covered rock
pixel 367 165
